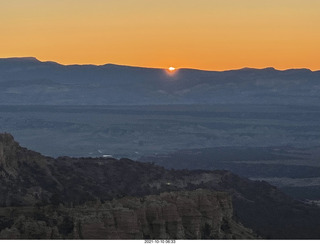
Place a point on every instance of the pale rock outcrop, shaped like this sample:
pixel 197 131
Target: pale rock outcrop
pixel 199 214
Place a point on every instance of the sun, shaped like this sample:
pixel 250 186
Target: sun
pixel 171 71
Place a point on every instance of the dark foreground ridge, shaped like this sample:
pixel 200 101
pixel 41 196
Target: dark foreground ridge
pixel 105 198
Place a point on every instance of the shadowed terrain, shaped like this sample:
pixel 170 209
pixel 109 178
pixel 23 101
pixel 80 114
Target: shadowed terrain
pixel 31 182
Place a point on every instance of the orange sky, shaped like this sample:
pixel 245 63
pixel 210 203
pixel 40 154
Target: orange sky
pixel 203 34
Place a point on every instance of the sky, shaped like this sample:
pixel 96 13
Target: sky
pixel 201 34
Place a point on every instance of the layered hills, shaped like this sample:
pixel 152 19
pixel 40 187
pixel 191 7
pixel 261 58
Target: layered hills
pixel 101 198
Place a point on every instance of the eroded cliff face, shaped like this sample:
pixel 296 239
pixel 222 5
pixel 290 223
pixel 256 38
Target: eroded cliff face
pixel 199 214
pixel 25 176
pixel 12 155
pixel 8 152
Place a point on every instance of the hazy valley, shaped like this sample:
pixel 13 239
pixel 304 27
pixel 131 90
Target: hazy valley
pixel 275 143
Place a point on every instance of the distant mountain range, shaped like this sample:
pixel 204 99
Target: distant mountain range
pixel 30 81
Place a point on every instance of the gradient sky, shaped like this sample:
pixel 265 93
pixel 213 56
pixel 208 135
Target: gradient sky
pixel 203 34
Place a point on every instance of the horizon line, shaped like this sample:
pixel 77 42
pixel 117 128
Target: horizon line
pixel 163 68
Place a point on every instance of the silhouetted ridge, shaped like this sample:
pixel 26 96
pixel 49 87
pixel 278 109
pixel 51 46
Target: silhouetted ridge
pixel 20 60
pixel 118 84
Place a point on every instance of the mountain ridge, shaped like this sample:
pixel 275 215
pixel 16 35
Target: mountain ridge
pixel 34 59
pixel 110 84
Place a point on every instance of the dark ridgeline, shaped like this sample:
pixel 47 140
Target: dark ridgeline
pixel 29 81
pixel 43 197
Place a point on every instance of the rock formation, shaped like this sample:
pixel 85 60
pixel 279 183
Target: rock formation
pixel 42 197
pixel 199 214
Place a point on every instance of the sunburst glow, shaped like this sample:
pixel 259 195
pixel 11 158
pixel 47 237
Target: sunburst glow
pixel 172 69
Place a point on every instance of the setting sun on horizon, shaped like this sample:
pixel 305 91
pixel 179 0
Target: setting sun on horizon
pixel 201 34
